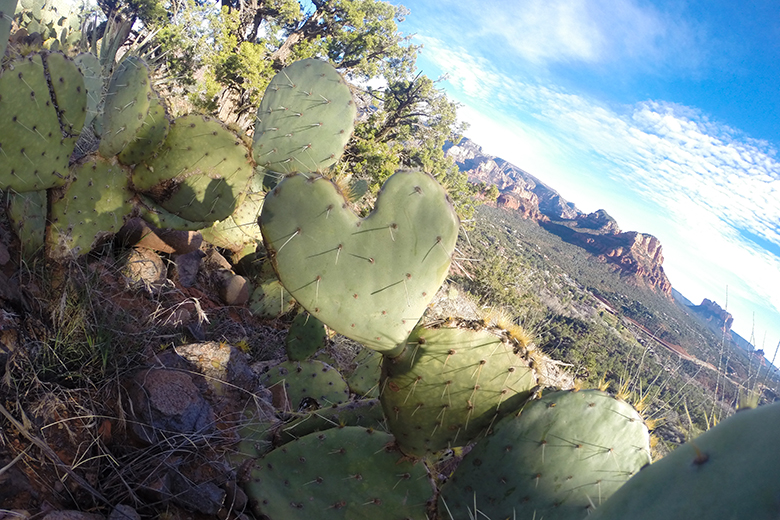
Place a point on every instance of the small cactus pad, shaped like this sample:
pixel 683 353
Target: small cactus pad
pixel 306 336
pixel 149 137
pixel 305 119
pixel 127 102
pixel 563 455
pixel 449 386
pixel 366 413
pixel 340 473
pixel 369 279
pixel 90 68
pixel 364 380
pixel 93 206
pixel 70 93
pixel 729 472
pixel 164 219
pixel 27 213
pixel 270 300
pixel 34 153
pixel 199 173
pixel 7 8
pixel 297 385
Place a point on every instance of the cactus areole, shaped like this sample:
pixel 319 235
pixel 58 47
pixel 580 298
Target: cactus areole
pixel 369 279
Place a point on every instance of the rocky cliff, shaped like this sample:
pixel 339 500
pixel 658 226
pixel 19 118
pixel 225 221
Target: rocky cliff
pixel 718 317
pixel 637 255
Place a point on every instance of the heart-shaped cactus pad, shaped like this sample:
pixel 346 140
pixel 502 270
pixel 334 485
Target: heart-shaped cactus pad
pixel 369 279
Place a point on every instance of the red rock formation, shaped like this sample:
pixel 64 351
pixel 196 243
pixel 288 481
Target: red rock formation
pixel 713 312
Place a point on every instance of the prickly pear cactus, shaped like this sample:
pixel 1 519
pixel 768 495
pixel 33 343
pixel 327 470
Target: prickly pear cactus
pixel 150 136
pixel 731 471
pixel 349 472
pixel 240 230
pixel 365 412
pixel 369 279
pixel 565 454
pixel 27 213
pixel 306 336
pixel 304 120
pixel 35 145
pixel 70 96
pixel 93 206
pixel 127 102
pixel 199 173
pixel 449 385
pixel 90 68
pixel 270 300
pixel 7 8
pixel 301 384
pixel 364 380
pixel 164 219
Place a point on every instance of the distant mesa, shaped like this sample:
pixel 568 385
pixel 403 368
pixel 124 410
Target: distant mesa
pixel 714 314
pixel 639 256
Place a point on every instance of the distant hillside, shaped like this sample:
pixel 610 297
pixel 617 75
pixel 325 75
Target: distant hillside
pixel 639 256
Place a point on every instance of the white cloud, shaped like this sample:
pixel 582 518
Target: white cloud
pixel 710 185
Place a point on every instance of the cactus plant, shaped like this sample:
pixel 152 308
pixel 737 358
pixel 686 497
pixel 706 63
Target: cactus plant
pixel 7 8
pixel 297 384
pixel 348 472
pixel 731 471
pixel 304 120
pixel 364 380
pixel 306 336
pixel 366 413
pixel 449 385
pixel 150 135
pixel 27 213
pixel 271 300
pixel 389 264
pixel 35 143
pixel 94 205
pixel 199 173
pixel 565 454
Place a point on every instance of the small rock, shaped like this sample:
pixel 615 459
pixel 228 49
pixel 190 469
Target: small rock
pixel 144 268
pixel 123 512
pixel 188 266
pixel 206 497
pixel 233 289
pixel 140 233
pixel 168 402
pixel 72 515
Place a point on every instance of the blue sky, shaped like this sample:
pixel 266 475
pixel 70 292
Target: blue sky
pixel 665 114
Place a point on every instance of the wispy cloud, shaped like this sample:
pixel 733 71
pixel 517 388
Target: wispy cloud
pixel 714 186
pixel 594 32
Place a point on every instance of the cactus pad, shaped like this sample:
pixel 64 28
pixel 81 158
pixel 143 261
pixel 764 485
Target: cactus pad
pixel 240 229
pixel 127 102
pixel 93 206
pixel 368 279
pixel 305 119
pixel 366 413
pixel 7 8
pixel 150 136
pixel 449 386
pixel 297 384
pixel 70 93
pixel 270 300
pixel 564 454
pixel 90 68
pixel 731 471
pixel 349 472
pixel 306 336
pixel 364 380
pixel 27 213
pixel 199 173
pixel 34 153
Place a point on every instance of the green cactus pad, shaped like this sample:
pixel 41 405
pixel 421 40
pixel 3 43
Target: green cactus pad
pixel 297 384
pixel 164 219
pixel 27 213
pixel 127 102
pixel 729 472
pixel 563 455
pixel 304 121
pixel 201 171
pixel 306 336
pixel 149 137
pixel 33 152
pixel 240 229
pixel 270 300
pixel 366 413
pixel 90 68
pixel 364 380
pixel 70 94
pixel 369 279
pixel 341 473
pixel 449 386
pixel 93 206
pixel 7 8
